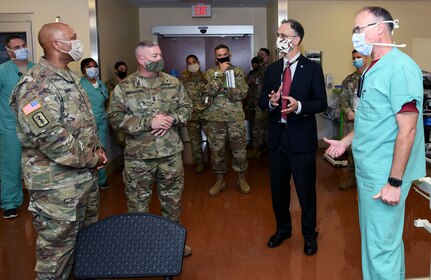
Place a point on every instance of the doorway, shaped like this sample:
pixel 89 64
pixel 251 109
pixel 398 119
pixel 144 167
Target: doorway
pixel 176 49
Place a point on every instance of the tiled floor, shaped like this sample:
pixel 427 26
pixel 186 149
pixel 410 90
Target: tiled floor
pixel 228 233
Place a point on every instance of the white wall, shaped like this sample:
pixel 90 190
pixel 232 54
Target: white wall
pixel 328 27
pixel 75 13
pixel 118 23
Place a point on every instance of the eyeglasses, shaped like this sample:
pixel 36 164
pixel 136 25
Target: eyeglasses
pixel 357 29
pixel 284 36
pixel 360 86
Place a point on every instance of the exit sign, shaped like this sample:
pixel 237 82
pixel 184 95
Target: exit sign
pixel 201 10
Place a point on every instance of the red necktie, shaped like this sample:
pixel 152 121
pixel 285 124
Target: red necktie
pixel 287 82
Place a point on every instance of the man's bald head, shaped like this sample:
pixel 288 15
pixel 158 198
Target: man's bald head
pixel 53 31
pixel 54 39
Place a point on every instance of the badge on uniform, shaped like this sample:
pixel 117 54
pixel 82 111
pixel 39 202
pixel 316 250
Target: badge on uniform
pixel 40 119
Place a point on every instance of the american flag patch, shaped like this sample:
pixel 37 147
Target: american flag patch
pixel 31 107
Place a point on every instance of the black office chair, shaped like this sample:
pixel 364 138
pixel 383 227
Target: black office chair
pixel 130 245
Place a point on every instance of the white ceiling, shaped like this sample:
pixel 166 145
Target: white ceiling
pixel 188 3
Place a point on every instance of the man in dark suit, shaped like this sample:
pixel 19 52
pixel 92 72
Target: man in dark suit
pixel 293 92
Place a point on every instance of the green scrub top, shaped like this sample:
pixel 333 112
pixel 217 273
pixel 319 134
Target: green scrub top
pixel 8 80
pixel 98 97
pixel 393 81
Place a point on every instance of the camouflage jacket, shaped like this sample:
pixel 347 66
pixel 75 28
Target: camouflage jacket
pixel 255 82
pixel 110 85
pixel 56 128
pixel 348 100
pixel 195 86
pixel 135 102
pixel 226 105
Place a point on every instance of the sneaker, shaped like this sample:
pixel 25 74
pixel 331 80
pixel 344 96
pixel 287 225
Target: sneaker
pixel 104 186
pixel 10 213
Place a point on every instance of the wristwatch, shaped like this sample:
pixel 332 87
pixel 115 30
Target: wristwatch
pixel 174 122
pixel 395 182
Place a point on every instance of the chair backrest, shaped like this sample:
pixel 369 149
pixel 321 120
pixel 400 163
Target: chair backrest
pixel 130 245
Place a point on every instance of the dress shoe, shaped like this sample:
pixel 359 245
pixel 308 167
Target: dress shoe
pixel 277 239
pixel 310 246
pixel 187 251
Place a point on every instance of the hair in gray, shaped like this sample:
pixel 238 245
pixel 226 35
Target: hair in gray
pixel 144 44
pixel 296 26
pixel 380 13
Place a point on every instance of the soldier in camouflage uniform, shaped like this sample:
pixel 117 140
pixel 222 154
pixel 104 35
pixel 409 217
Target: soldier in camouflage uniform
pixel 253 92
pixel 348 102
pixel 148 107
pixel 261 117
pixel 194 81
pixel 120 72
pixel 61 151
pixel 225 118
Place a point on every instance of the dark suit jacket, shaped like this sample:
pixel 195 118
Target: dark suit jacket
pixel 308 87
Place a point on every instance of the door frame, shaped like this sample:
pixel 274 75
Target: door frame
pixel 204 31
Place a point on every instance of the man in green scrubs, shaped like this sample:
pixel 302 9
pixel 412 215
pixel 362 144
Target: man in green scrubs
pixel 388 143
pixel 10 147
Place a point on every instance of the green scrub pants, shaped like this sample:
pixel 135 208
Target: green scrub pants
pixel 10 171
pixel 381 233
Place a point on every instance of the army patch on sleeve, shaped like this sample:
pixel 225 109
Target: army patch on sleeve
pixel 31 107
pixel 40 119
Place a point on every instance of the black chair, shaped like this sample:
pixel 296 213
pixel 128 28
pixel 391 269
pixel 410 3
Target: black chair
pixel 129 246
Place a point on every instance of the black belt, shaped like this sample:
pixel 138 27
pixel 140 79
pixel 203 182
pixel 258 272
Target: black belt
pixel 282 124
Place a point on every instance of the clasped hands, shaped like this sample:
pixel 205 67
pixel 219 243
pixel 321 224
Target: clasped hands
pixel 101 158
pixel 292 103
pixel 160 124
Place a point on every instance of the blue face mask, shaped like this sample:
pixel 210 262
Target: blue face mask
pixel 92 72
pixel 21 54
pixel 358 62
pixel 364 48
pixel 359 44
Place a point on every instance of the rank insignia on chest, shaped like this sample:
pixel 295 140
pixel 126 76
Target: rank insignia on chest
pixel 40 119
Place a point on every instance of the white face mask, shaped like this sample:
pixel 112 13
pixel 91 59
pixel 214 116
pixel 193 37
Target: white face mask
pixel 194 68
pixel 76 51
pixel 284 46
pixel 364 48
pixel 20 54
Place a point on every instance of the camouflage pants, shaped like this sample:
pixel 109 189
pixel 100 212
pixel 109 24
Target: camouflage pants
pixel 350 161
pixel 194 128
pixel 168 174
pixel 217 132
pixel 259 128
pixel 58 215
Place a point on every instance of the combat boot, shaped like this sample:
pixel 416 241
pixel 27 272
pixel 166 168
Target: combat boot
pixel 187 251
pixel 219 185
pixel 254 152
pixel 351 182
pixel 242 183
pixel 199 168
